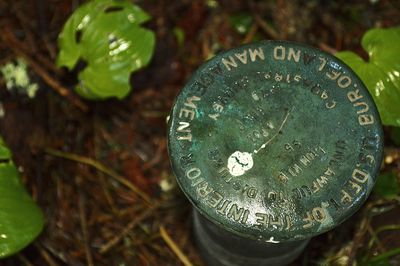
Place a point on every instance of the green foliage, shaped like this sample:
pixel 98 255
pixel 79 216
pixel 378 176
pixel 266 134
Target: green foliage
pixel 16 77
pixel 382 259
pixel 381 262
pixel 381 74
pixel 107 35
pixel 395 135
pixel 5 153
pixel 20 218
pixel 387 185
pixel 241 22
pixel 179 35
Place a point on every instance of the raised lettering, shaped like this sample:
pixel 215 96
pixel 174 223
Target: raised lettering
pixel 214 199
pixel 295 55
pixel 235 212
pixel 279 53
pixel 354 95
pixel 183 127
pixel 230 63
pixel 344 81
pixel 359 176
pixel 242 57
pixel 193 173
pixel 189 102
pixel 186 113
pixel 262 219
pixel 322 63
pixel 365 120
pixel 256 53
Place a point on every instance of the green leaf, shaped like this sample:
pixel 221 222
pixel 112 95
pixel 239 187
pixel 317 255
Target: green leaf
pixel 21 220
pixel 382 262
pixel 241 22
pixel 395 135
pixel 179 35
pixel 107 35
pixel 5 153
pixel 381 74
pixel 383 259
pixel 387 185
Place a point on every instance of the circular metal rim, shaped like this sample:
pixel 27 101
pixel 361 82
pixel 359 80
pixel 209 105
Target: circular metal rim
pixel 244 233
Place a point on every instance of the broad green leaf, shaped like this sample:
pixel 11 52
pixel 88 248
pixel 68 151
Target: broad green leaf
pixel 381 74
pixel 108 36
pixel 21 220
pixel 5 153
pixel 387 185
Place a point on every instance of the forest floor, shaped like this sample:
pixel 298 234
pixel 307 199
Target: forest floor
pixel 80 158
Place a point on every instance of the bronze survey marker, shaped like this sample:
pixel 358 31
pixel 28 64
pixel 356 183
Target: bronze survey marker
pixel 275 141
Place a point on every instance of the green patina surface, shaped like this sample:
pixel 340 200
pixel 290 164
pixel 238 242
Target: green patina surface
pixel 275 141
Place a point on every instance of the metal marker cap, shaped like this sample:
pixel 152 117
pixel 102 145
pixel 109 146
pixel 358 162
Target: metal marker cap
pixel 275 141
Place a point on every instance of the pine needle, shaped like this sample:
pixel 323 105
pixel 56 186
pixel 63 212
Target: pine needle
pixel 178 252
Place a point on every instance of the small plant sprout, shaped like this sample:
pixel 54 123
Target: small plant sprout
pixel 17 78
pixel 108 36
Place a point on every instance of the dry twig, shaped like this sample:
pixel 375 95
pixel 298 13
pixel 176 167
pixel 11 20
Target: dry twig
pixel 112 242
pixel 102 168
pixel 171 243
pixel 325 47
pixel 375 238
pixel 250 35
pixel 266 28
pixel 50 261
pixel 358 239
pixel 84 227
pixel 24 259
